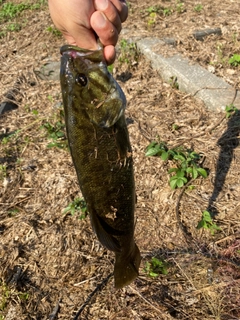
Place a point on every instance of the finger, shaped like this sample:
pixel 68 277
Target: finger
pixel 122 8
pixel 110 12
pixel 105 30
pixel 109 54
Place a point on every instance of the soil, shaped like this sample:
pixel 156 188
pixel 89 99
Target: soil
pixel 52 265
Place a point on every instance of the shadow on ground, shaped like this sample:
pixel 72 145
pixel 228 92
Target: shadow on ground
pixel 227 143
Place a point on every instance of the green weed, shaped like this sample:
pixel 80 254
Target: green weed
pixel 14 27
pixel 167 11
pixel 35 112
pixel 13 212
pixel 234 60
pixel 129 53
pixel 156 267
pixel 77 205
pixel 153 9
pixel 198 8
pixel 230 110
pixel 207 223
pixel 56 131
pixel 174 83
pixel 54 31
pixel 7 294
pixel 220 53
pixel 187 163
pixel 180 7
pixel 3 171
pixel 152 19
pixel 110 68
pixel 11 10
pixel 3 34
pixel 10 137
pixel 175 127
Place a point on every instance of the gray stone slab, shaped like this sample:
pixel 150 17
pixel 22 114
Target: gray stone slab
pixel 191 78
pixel 50 71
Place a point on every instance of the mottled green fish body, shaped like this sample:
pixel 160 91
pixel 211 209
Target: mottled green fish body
pixel 98 138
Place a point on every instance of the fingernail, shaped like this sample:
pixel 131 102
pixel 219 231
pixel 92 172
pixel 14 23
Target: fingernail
pixel 101 4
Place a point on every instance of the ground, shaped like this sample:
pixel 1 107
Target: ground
pixel 51 261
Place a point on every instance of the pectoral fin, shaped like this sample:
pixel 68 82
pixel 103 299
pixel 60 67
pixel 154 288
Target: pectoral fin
pixel 104 236
pixel 106 113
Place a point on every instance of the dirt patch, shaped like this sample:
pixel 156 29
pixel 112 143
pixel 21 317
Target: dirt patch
pixel 50 261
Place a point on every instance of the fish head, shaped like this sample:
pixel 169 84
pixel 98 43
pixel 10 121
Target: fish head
pixel 86 81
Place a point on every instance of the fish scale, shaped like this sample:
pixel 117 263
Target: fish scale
pixel 99 143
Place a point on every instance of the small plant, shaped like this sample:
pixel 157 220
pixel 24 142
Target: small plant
pixel 13 212
pixel 230 110
pixel 198 8
pixel 152 19
pixel 3 171
pixel 207 223
pixel 129 53
pixel 156 267
pixel 174 83
pixel 54 31
pixel 234 60
pixel 180 7
pixel 2 35
pixel 186 161
pixel 175 127
pixel 220 53
pixel 151 9
pixel 7 294
pixel 10 136
pixel 167 12
pixel 56 133
pixel 110 68
pixel 77 205
pixel 10 10
pixel 4 296
pixel 35 112
pixel 14 27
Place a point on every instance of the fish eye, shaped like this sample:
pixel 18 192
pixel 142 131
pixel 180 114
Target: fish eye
pixel 82 79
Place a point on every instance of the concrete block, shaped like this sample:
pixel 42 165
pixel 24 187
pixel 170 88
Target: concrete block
pixel 191 78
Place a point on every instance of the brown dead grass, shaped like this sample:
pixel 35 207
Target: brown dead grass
pixel 48 257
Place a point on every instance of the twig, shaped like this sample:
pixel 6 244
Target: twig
pixel 145 300
pixel 79 283
pixel 98 288
pixel 187 234
pixel 55 311
pixel 184 273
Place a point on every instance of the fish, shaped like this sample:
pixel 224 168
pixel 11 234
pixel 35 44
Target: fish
pixel 98 138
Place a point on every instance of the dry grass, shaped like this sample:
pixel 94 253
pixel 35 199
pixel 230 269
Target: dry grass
pixel 50 258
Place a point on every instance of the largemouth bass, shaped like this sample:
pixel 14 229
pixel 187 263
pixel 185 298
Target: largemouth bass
pixel 98 138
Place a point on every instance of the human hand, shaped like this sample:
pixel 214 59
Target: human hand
pixel 81 20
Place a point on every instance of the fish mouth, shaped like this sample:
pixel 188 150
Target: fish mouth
pixel 76 52
pixel 80 51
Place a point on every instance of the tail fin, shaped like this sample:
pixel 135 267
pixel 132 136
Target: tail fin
pixel 126 267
